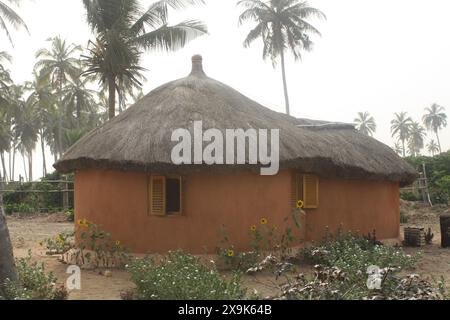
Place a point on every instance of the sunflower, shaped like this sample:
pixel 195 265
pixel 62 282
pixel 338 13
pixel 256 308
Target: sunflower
pixel 83 223
pixel 253 228
pixel 300 204
pixel 230 253
pixel 264 221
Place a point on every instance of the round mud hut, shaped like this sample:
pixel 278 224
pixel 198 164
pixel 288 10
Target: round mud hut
pixel 127 181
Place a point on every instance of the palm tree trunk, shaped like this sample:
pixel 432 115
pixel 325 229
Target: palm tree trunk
pixel 30 165
pixel 13 163
pixel 44 163
pixel 7 266
pixel 404 151
pixel 5 174
pixel 439 141
pixel 112 96
pixel 11 178
pixel 283 73
pixel 25 167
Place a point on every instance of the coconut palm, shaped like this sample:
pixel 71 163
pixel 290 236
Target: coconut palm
pixel 400 127
pixel 27 129
pixel 435 119
pixel 78 101
pixel 123 31
pixel 417 135
pixel 365 123
pixel 282 25
pixel 9 17
pixel 433 148
pixel 42 101
pixel 59 65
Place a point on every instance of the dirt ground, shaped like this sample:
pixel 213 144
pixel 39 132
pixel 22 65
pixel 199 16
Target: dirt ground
pixel 27 233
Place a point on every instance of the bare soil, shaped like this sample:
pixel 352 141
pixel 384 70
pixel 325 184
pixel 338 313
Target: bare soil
pixel 27 234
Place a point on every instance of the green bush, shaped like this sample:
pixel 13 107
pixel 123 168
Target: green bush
pixel 22 199
pixel 179 276
pixel 410 196
pixel 437 168
pixel 403 217
pixel 33 284
pixel 354 254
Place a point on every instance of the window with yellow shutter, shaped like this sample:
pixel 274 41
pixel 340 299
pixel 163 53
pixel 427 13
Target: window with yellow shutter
pixel 305 187
pixel 165 195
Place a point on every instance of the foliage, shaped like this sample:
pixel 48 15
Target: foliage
pixel 62 243
pixel 332 283
pixel 282 26
pixel 33 284
pixel 403 217
pixel 96 247
pixel 263 238
pixel 438 171
pixel 354 254
pixel 123 31
pixel 365 123
pixel 179 276
pixel 23 200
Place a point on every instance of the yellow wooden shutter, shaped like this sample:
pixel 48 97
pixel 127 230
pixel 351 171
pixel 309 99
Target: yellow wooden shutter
pixel 311 191
pixel 157 196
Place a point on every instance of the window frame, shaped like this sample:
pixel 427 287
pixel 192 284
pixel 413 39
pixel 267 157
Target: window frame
pixel 150 195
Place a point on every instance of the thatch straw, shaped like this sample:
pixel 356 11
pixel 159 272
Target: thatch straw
pixel 140 137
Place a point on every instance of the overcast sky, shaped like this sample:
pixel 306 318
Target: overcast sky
pixel 382 56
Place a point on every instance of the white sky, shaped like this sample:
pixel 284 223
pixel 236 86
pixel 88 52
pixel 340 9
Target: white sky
pixel 380 56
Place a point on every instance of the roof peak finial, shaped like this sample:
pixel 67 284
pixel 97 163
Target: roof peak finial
pixel 197 66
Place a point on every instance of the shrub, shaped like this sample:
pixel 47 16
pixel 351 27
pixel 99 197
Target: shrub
pixel 354 254
pixel 179 276
pixel 33 283
pixel 403 217
pixel 97 247
pixel 62 243
pixel 332 283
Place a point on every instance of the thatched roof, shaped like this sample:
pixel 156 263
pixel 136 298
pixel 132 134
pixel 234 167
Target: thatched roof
pixel 140 137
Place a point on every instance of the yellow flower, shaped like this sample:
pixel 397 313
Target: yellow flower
pixel 83 223
pixel 230 253
pixel 264 221
pixel 118 243
pixel 300 204
pixel 253 228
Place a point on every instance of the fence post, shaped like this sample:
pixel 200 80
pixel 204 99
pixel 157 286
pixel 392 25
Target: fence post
pixel 65 194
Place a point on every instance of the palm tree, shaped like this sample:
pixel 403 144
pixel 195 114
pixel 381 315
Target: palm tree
pixel 365 123
pixel 433 148
pixel 58 66
pixel 400 127
pixel 78 101
pixel 435 120
pixel 416 139
pixel 41 100
pixel 123 31
pixel 9 16
pixel 282 25
pixel 27 129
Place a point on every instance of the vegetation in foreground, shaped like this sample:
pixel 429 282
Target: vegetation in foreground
pixel 33 283
pixel 180 276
